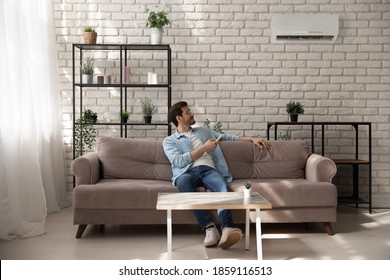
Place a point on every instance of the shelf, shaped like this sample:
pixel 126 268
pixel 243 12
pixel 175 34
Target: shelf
pixel 124 58
pixel 131 123
pixel 355 163
pixel 351 200
pixel 124 85
pixel 350 161
pixel 318 123
pixel 118 47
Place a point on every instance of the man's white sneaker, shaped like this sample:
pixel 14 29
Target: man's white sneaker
pixel 230 236
pixel 212 237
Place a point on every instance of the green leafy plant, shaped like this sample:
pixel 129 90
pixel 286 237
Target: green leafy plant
pixel 148 108
pixel 157 19
pixel 248 185
pixel 207 123
pixel 88 29
pixel 294 108
pixel 125 114
pixel 84 133
pixel 87 66
pixel 91 115
pixel 217 126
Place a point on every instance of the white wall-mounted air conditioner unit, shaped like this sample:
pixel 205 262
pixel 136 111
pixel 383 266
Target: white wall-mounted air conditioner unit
pixel 303 28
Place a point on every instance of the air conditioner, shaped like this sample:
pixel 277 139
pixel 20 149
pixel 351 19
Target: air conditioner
pixel 303 28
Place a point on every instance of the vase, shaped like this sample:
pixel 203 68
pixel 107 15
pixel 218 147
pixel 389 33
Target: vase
pixel 107 79
pixel 156 36
pixel 247 193
pixel 152 78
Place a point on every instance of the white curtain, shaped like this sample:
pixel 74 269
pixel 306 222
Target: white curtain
pixel 32 167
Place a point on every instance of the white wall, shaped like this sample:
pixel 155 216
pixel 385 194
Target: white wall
pixel 225 66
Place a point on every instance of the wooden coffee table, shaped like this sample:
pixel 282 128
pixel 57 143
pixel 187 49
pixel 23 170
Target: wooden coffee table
pixel 211 201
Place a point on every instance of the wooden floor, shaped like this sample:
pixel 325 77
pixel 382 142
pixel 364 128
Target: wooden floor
pixel 358 236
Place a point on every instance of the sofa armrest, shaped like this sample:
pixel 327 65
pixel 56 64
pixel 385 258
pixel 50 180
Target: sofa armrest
pixel 86 169
pixel 320 169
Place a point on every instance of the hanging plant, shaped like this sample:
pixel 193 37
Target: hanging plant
pixel 85 134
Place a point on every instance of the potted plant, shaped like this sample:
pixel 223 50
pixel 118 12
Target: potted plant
pixel 90 115
pixel 148 109
pixel 90 35
pixel 294 108
pixel 87 71
pixel 247 190
pixel 84 134
pixel 217 126
pixel 156 22
pixel 125 116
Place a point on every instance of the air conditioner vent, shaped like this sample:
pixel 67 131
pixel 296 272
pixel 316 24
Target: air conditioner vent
pixel 304 37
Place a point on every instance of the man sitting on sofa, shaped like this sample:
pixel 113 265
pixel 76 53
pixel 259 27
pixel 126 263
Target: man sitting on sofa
pixel 197 160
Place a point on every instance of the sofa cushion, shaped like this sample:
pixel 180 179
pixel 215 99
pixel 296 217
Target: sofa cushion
pixel 124 158
pixel 121 194
pixel 284 160
pixel 291 192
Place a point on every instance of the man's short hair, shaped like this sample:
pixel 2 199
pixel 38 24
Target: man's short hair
pixel 175 110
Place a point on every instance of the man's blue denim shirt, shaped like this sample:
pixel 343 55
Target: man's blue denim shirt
pixel 178 148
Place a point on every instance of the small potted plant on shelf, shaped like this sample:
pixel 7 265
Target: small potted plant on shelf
pixel 125 116
pixel 247 189
pixel 87 71
pixel 217 126
pixel 156 22
pixel 294 108
pixel 90 35
pixel 148 109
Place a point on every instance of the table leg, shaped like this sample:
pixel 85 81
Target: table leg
pixel 169 233
pixel 247 229
pixel 258 236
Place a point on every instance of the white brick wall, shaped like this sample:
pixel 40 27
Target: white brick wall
pixel 225 66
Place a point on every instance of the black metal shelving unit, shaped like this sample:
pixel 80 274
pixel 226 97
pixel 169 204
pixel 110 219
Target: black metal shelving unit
pixel 354 162
pixel 123 49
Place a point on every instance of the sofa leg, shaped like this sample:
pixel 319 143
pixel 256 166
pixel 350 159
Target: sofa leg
pixel 80 231
pixel 328 228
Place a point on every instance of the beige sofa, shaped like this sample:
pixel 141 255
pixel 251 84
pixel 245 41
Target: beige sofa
pixel 119 183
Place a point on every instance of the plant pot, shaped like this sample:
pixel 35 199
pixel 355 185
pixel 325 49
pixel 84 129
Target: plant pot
pixel 90 37
pixel 247 192
pixel 293 118
pixel 86 79
pixel 124 119
pixel 156 36
pixel 148 119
